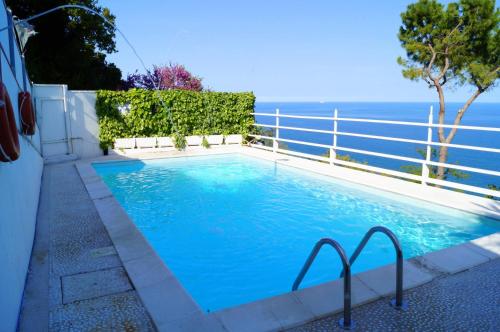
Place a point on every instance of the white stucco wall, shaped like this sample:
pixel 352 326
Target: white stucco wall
pixel 52 118
pixel 19 193
pixel 84 123
pixel 68 121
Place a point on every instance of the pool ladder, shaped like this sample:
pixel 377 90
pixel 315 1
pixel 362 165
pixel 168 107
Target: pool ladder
pixel 398 303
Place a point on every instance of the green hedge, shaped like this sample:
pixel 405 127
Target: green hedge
pixel 193 113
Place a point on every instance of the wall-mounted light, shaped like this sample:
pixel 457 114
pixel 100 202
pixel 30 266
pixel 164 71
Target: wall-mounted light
pixel 24 31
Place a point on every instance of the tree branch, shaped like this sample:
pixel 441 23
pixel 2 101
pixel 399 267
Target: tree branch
pixel 431 63
pixel 497 69
pixel 446 66
pixel 440 92
pixel 461 113
pixel 441 111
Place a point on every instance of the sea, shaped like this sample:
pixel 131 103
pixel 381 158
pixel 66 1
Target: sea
pixel 479 114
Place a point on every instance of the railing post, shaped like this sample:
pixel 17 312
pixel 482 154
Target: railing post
pixel 333 151
pixel 428 152
pixel 276 132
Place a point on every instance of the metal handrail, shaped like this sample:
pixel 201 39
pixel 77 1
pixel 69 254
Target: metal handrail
pixel 386 155
pixel 382 138
pixel 391 122
pixel 398 302
pixel 346 322
pixel 393 173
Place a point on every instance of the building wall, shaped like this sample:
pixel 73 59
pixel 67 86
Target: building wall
pixel 68 121
pixel 19 193
pixel 53 119
pixel 84 123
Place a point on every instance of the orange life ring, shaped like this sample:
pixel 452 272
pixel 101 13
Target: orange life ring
pixel 9 138
pixel 27 112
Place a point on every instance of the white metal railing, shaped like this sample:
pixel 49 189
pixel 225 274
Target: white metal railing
pixel 424 178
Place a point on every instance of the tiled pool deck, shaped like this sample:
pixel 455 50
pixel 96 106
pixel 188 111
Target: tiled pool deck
pixel 101 273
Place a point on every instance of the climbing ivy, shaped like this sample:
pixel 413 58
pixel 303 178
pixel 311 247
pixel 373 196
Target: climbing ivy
pixel 141 113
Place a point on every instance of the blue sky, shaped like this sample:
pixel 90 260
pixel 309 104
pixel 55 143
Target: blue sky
pixel 324 50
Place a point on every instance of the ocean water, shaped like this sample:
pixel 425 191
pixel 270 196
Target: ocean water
pixel 235 229
pixel 479 114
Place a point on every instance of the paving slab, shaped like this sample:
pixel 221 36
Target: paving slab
pixel 453 259
pixel 98 190
pixel 147 271
pixel 328 298
pixel 94 284
pixel 237 319
pixel 383 280
pixel 167 301
pixel 488 246
pixel 117 312
pixel 102 252
pixel 288 310
pixel 111 213
pixel 194 324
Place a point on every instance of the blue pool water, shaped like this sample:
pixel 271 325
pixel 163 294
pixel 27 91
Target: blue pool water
pixel 234 229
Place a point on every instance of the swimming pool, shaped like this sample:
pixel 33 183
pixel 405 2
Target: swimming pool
pixel 234 229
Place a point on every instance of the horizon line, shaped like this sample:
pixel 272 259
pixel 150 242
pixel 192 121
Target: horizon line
pixel 365 101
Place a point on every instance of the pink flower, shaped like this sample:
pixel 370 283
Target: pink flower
pixel 173 76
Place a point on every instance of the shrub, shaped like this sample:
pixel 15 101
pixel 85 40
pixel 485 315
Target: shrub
pixel 204 143
pixel 141 113
pixel 180 141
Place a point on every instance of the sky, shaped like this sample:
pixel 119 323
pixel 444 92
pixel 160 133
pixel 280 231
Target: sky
pixel 323 50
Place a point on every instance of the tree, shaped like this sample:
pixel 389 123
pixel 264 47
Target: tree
pixel 433 170
pixel 495 188
pixel 71 44
pixel 454 45
pixel 173 76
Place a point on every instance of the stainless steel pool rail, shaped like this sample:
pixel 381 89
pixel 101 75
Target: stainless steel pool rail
pixel 347 323
pixel 398 302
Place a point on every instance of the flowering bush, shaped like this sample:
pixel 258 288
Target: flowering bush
pixel 171 77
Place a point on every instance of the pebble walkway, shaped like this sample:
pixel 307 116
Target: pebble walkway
pixel 467 301
pixel 76 280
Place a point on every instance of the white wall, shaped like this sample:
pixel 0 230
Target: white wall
pixel 84 123
pixel 68 121
pixel 52 118
pixel 19 193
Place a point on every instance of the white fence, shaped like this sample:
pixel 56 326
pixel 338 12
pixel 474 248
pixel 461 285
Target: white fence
pixel 334 148
pixel 68 121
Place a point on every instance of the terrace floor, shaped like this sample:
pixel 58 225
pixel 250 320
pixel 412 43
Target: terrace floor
pixel 466 301
pixel 77 281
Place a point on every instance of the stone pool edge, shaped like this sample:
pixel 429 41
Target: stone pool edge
pixel 173 309
pixel 444 197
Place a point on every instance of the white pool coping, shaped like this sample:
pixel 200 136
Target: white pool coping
pixel 173 309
